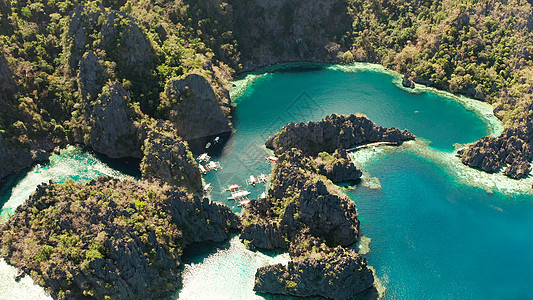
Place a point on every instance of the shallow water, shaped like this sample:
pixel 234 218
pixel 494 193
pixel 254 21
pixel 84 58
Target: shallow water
pixel 431 235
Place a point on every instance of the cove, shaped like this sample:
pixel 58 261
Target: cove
pixel 431 235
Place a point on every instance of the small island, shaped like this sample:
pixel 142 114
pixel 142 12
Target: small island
pixel 308 215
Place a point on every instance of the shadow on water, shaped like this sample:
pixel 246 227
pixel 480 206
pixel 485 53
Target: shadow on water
pixel 7 184
pixel 128 166
pixel 198 146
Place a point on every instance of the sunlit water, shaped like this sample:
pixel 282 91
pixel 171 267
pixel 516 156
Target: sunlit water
pixel 438 229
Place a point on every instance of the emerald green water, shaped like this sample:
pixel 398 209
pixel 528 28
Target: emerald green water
pixel 431 236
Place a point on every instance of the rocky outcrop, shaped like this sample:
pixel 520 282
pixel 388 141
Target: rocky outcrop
pixel 307 214
pixel 167 158
pixel 513 147
pixel 337 167
pixel 196 112
pixel 91 77
pixel 112 131
pixel 316 270
pixel 406 82
pixel 109 238
pixel 270 32
pixel 332 133
pixel 121 38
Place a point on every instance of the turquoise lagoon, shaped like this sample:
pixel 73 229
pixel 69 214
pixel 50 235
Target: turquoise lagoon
pixel 437 229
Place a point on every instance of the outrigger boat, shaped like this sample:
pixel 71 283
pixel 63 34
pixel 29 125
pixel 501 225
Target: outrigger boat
pixel 208 188
pixel 202 169
pixel 252 180
pixel 263 178
pixel 239 195
pixel 204 157
pixel 271 159
pixel 233 187
pixel 244 202
pixel 213 165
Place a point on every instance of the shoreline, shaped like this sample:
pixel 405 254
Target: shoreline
pixel 454 169
pixel 448 162
pixel 482 109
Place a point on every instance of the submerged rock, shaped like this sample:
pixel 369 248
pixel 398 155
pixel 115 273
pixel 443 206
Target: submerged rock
pixel 195 109
pixel 110 239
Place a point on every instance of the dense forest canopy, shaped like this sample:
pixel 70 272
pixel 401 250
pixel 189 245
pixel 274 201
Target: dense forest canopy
pixel 479 48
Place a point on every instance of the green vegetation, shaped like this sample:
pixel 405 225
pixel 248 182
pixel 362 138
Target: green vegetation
pixel 480 48
pixel 75 227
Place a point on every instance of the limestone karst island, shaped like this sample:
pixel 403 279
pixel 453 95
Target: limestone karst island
pixel 266 149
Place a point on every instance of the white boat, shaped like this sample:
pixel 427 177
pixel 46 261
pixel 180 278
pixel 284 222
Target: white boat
pixel 244 202
pixel 213 165
pixel 263 195
pixel 202 169
pixel 204 157
pixel 238 195
pixel 208 188
pixel 207 145
pixel 271 159
pixel 233 187
pixel 251 181
pixel 263 178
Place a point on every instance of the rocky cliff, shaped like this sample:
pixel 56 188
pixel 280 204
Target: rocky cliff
pixel 195 109
pixel 113 132
pixel 110 239
pixel 332 133
pixel 513 149
pixel 316 270
pixel 167 158
pixel 305 213
pixel 277 31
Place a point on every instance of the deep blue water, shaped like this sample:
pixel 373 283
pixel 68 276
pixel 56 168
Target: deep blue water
pixel 430 236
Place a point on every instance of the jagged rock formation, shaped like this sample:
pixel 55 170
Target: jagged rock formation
pixel 167 158
pixel 271 32
pixel 513 147
pixel 337 167
pixel 108 238
pixel 332 133
pixel 121 38
pixel 316 270
pixel 307 214
pixel 195 110
pixel 299 198
pixel 112 131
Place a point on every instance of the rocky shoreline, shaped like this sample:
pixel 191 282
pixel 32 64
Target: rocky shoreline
pixel 306 214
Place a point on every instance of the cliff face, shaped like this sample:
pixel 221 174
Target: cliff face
pixel 110 238
pixel 316 270
pixel 195 110
pixel 513 148
pixel 121 38
pixel 276 31
pixel 112 131
pixel 167 158
pixel 332 133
